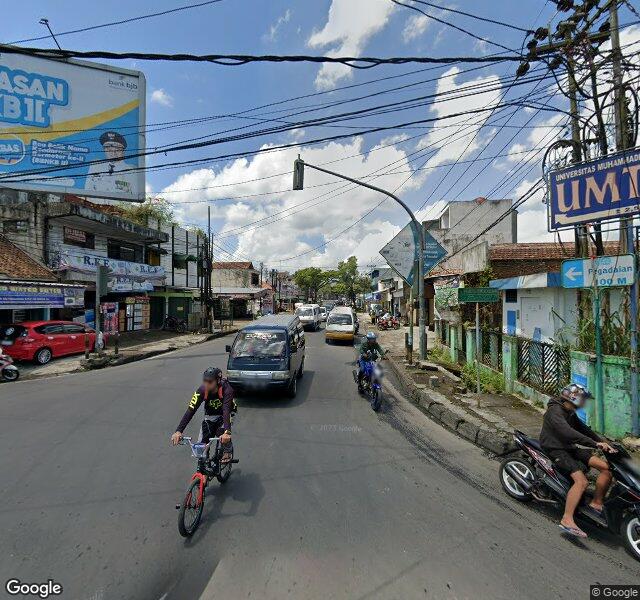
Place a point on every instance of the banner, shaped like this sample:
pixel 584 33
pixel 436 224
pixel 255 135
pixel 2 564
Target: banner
pixel 598 190
pixel 18 296
pixel 124 276
pixel 79 124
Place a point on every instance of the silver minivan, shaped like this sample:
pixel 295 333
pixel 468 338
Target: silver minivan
pixel 309 315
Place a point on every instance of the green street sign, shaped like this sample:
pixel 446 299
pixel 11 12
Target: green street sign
pixel 479 294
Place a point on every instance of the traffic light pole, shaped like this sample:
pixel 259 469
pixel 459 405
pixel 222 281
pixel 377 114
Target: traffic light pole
pixel 418 234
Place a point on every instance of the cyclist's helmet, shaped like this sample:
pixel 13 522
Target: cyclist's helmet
pixel 212 374
pixel 371 336
pixel 576 394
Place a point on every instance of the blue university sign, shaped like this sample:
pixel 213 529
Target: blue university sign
pixel 607 188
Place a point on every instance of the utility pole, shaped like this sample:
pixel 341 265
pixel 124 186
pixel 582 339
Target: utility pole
pixel 627 242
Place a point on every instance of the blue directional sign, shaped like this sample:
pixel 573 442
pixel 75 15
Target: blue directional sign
pixel 598 190
pixel 434 253
pixel 401 253
pixel 602 271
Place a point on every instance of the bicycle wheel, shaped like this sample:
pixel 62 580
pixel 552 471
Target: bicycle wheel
pixel 190 510
pixel 225 469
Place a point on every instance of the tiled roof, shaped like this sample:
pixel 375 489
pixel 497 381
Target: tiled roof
pixel 540 251
pixel 17 264
pixel 232 265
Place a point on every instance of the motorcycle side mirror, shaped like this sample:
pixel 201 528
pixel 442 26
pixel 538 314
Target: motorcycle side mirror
pixel 227 348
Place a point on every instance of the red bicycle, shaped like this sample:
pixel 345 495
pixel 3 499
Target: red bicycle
pixel 210 465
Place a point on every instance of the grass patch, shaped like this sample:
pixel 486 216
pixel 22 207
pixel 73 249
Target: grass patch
pixel 490 382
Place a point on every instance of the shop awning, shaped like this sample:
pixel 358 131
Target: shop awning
pixel 239 293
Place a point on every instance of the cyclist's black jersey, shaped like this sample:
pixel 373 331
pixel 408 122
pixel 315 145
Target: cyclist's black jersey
pixel 220 404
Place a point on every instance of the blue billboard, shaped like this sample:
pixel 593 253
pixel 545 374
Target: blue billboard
pixel 598 190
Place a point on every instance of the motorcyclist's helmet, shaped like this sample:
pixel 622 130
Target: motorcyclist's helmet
pixel 371 336
pixel 576 393
pixel 212 374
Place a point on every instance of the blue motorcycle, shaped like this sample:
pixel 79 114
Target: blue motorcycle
pixel 371 383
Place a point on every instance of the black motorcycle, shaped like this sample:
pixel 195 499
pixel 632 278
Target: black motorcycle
pixel 175 324
pixel 532 475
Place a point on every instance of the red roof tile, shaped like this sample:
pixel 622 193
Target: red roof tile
pixel 540 251
pixel 232 265
pixel 15 263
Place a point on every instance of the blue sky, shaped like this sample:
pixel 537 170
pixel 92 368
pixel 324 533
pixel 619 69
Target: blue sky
pixel 361 27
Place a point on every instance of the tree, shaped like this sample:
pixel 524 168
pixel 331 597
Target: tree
pixel 348 282
pixel 310 280
pixel 149 212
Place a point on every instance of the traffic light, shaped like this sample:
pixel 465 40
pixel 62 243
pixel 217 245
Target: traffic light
pixel 298 174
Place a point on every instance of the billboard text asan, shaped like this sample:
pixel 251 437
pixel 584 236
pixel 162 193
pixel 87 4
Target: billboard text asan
pixel 71 127
pixel 607 188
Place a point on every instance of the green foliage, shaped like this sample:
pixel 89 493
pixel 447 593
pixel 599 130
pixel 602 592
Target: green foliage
pixel 310 280
pixel 441 356
pixel 149 212
pixel 347 281
pixel 490 381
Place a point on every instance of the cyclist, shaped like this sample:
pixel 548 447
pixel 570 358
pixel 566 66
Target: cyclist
pixel 217 395
pixel 370 349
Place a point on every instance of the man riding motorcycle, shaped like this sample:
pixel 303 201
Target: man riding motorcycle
pixel 369 349
pixel 217 395
pixel 562 429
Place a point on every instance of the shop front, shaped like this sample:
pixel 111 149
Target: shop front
pixel 32 300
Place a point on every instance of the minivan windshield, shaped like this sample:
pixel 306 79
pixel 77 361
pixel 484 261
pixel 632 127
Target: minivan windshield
pixel 259 344
pixel 304 312
pixel 339 319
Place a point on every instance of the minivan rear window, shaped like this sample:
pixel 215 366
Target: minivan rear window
pixel 9 333
pixel 304 312
pixel 259 344
pixel 339 319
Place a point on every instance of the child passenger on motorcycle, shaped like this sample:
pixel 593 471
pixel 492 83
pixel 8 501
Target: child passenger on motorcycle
pixel 562 429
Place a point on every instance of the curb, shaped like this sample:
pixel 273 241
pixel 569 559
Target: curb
pixel 488 439
pixel 111 361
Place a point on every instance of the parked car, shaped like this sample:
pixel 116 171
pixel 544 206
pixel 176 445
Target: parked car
pixel 309 315
pixel 341 325
pixel 41 341
pixel 323 313
pixel 268 354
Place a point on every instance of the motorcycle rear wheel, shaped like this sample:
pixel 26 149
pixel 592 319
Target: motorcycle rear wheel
pixel 630 531
pixel 376 399
pixel 509 484
pixel 10 374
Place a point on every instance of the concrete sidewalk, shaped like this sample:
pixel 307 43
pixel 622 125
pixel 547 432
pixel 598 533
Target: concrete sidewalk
pixel 156 342
pixel 485 419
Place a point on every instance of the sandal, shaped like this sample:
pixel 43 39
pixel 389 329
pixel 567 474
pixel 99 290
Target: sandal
pixel 574 531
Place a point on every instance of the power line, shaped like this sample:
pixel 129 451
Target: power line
pixel 232 60
pixel 121 22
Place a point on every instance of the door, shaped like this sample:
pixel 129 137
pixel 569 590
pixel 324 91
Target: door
pixel 75 338
pixel 535 319
pixel 156 309
pixel 54 338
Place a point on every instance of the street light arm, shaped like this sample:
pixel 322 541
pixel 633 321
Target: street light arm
pixel 367 185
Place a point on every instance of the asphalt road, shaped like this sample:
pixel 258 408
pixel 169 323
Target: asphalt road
pixel 329 500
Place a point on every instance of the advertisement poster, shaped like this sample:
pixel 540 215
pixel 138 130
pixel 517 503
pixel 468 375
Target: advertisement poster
pixel 17 296
pixel 71 127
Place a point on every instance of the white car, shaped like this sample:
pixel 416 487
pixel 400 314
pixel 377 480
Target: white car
pixel 309 315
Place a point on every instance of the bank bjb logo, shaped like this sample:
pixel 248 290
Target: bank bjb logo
pixel 11 150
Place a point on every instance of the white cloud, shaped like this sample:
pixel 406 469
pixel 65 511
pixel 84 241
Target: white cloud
pixel 349 26
pixel 461 140
pixel 415 26
pixel 325 210
pixel 161 97
pixel 272 35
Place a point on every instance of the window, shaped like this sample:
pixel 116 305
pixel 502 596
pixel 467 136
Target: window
pixel 153 257
pixel 339 319
pixel 255 279
pixel 77 237
pixel 49 329
pixel 511 296
pixel 124 251
pixel 74 329
pixel 259 344
pixel 15 226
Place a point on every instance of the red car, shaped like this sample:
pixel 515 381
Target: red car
pixel 41 341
